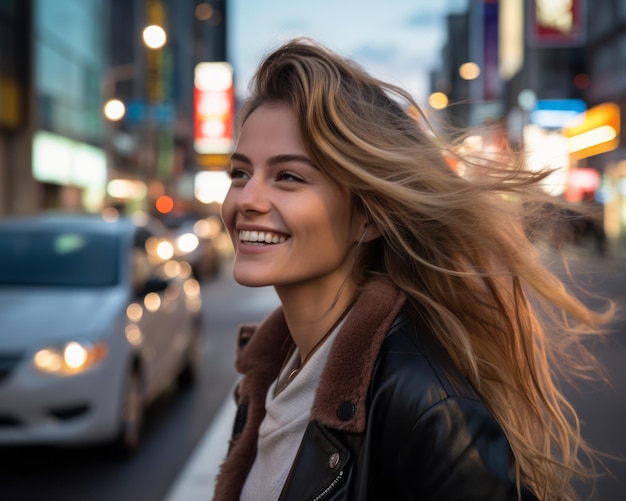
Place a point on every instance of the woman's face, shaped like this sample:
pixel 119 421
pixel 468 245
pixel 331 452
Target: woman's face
pixel 289 223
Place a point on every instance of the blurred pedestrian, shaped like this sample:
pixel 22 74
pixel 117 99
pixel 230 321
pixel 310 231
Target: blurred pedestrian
pixel 414 350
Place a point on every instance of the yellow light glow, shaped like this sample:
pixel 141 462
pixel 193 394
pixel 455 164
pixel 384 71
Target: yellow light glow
pixel 590 138
pixel 213 76
pixel 596 132
pixel 114 110
pixel 469 71
pixel 511 37
pixel 48 360
pixel 438 100
pixel 127 189
pixel 191 287
pixel 204 12
pixel 75 356
pixel 216 224
pixel 557 15
pixel 211 186
pixel 154 36
pixel 134 312
pixel 152 301
pixel 187 243
pixel 72 359
pixel 171 269
pixel 165 250
pixel 134 335
pixel 185 270
pixel 202 228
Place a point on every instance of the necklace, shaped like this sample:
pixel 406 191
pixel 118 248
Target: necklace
pixel 281 385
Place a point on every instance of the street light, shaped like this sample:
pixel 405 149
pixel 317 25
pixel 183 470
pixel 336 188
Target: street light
pixel 154 36
pixel 114 110
pixel 469 71
pixel 438 100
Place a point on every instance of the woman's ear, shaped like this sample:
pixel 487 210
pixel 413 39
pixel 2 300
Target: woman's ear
pixel 370 232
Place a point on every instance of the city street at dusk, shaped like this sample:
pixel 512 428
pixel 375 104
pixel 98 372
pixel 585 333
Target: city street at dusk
pixel 381 171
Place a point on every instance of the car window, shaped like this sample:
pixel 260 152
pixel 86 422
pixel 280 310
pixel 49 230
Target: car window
pixel 69 259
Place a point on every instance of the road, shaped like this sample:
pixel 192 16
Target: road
pixel 178 421
pixel 602 405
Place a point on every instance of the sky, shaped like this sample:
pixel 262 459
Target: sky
pixel 396 40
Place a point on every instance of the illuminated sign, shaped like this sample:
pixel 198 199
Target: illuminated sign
pixel 556 23
pixel 556 113
pixel 60 160
pixel 214 107
pixel 583 183
pixel 597 131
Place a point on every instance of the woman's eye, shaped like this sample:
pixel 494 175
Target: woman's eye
pixel 288 176
pixel 238 174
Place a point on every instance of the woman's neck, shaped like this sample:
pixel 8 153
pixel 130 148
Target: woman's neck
pixel 310 313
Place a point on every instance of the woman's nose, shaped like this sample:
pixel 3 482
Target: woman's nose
pixel 254 196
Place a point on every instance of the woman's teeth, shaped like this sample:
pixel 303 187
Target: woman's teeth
pixel 261 237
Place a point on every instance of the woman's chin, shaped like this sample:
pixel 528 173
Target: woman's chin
pixel 250 279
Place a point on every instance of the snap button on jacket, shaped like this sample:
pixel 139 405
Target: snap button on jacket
pixel 393 418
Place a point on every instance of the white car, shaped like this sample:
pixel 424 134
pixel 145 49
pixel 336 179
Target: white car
pixel 94 325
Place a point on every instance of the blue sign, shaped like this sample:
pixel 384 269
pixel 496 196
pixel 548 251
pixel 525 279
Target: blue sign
pixel 138 111
pixel 556 113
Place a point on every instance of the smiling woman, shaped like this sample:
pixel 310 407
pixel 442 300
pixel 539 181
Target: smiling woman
pixel 308 225
pixel 413 351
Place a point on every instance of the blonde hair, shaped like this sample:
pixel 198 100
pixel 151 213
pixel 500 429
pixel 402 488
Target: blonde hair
pixel 457 245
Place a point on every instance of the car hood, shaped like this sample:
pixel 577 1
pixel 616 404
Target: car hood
pixel 31 315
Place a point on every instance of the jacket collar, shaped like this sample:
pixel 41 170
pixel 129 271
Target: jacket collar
pixel 341 396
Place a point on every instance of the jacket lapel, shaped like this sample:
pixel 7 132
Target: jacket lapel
pixel 340 399
pixel 325 458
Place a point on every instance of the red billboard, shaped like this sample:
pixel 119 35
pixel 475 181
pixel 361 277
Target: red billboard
pixel 556 23
pixel 214 107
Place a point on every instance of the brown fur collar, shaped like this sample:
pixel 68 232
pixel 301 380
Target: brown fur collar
pixel 344 381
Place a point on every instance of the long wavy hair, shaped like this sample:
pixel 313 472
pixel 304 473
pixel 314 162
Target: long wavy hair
pixel 458 246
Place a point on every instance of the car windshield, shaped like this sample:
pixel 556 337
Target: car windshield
pixel 66 259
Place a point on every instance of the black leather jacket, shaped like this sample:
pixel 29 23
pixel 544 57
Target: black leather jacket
pixel 393 418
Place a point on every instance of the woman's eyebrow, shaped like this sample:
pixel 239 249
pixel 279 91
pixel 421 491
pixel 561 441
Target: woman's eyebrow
pixel 286 158
pixel 241 158
pixel 275 160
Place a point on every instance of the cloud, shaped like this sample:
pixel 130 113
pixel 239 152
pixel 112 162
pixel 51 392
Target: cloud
pixel 375 53
pixel 425 19
pixel 295 24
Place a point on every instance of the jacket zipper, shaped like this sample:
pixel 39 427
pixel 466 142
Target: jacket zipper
pixel 328 489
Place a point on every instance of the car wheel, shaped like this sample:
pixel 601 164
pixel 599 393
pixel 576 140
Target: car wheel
pixel 132 414
pixel 193 359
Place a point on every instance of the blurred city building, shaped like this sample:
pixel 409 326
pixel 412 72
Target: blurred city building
pixel 549 78
pixel 97 102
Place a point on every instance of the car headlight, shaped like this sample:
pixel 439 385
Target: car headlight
pixel 72 358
